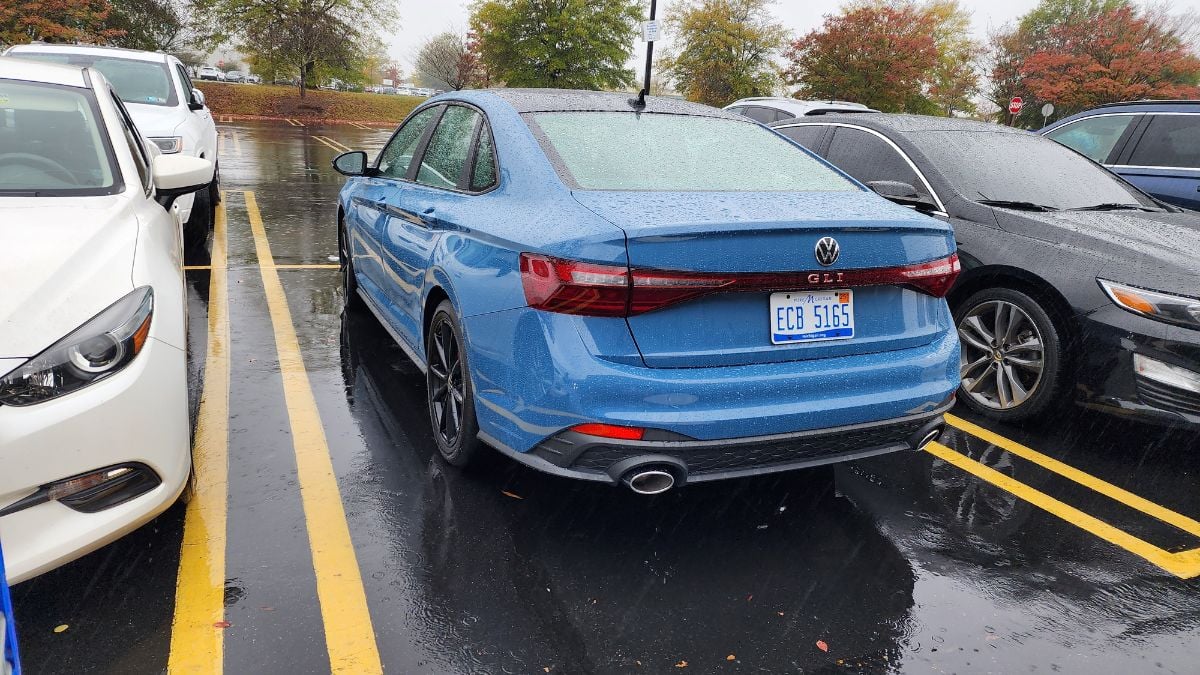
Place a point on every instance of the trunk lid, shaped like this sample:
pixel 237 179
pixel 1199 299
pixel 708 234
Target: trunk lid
pixel 773 233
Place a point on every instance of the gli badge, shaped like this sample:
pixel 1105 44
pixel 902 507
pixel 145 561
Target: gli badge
pixel 828 251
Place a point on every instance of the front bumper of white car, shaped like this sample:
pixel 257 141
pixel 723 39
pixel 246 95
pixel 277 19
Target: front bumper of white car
pixel 135 422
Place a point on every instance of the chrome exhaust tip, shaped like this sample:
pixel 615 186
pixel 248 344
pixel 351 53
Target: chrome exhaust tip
pixel 649 481
pixel 930 437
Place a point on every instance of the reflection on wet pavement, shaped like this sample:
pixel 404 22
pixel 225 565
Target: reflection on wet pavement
pixel 899 563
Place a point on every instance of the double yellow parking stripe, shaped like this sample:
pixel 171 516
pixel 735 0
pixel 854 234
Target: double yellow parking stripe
pixel 196 641
pixel 1185 564
pixel 330 143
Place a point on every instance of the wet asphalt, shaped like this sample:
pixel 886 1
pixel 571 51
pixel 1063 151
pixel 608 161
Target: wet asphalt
pixel 904 563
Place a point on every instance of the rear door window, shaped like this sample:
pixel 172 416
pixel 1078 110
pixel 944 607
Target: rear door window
pixel 1169 141
pixel 446 156
pixel 1094 137
pixel 397 155
pixel 869 158
pixel 807 135
pixel 760 114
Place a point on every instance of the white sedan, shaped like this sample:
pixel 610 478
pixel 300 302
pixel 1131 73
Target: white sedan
pixel 94 430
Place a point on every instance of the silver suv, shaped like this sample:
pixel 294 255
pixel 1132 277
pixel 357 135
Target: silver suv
pixel 767 109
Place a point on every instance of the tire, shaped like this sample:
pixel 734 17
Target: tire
pixel 1004 378
pixel 200 222
pixel 346 270
pixel 448 390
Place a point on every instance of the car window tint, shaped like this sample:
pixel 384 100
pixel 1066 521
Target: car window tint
pixel 1170 140
pixel 186 81
pixel 627 151
pixel 484 174
pixel 737 110
pixel 136 80
pixel 140 158
pixel 807 135
pixel 396 157
pixel 1020 167
pixel 1094 137
pixel 869 158
pixel 783 115
pixel 449 146
pixel 760 114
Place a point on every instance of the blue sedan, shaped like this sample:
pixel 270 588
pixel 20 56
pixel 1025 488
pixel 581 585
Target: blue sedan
pixel 650 295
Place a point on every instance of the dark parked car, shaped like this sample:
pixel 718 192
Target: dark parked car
pixel 1072 278
pixel 1153 144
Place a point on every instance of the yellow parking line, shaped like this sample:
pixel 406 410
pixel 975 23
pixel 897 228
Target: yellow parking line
pixel 1185 565
pixel 197 644
pixel 220 144
pixel 361 126
pixel 329 142
pixel 192 268
pixel 1087 480
pixel 349 635
pixel 317 266
pixel 237 144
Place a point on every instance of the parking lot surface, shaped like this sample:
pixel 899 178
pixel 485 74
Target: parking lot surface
pixel 325 533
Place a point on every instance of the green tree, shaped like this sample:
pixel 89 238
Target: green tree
pixel 314 38
pixel 23 21
pixel 572 44
pixel 726 50
pixel 150 24
pixel 446 61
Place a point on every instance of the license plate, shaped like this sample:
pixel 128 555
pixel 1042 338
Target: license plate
pixel 812 316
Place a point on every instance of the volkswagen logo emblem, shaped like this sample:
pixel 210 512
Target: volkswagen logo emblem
pixel 828 251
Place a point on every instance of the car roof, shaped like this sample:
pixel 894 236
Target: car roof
pixel 116 52
pixel 904 123
pixel 36 71
pixel 800 107
pixel 571 100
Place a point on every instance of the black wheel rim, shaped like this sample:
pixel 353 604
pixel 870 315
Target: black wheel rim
pixel 447 389
pixel 347 270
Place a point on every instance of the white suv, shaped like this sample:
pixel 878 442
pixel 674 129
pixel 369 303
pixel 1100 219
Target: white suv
pixel 165 106
pixel 767 109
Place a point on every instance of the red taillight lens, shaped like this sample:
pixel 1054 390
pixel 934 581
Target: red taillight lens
pixel 570 287
pixel 610 431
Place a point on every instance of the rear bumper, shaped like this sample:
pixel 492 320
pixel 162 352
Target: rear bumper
pixel 574 455
pixel 1107 378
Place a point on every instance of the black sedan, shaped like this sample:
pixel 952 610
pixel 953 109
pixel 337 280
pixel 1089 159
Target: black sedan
pixel 1075 285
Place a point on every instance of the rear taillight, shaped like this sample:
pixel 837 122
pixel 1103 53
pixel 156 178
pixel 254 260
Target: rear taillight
pixel 570 287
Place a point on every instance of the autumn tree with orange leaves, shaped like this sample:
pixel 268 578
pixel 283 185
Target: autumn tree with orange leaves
pixel 1078 54
pixel 893 55
pixel 23 21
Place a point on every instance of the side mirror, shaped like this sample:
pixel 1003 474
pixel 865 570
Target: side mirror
pixel 178 175
pixel 901 193
pixel 197 102
pixel 352 163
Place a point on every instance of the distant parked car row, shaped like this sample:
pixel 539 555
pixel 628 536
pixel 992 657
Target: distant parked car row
pixel 405 91
pixel 215 74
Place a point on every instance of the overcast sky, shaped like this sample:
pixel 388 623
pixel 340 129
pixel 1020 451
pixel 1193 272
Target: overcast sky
pixel 421 19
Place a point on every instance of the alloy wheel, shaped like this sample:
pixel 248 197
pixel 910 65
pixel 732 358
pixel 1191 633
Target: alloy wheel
pixel 1003 356
pixel 447 390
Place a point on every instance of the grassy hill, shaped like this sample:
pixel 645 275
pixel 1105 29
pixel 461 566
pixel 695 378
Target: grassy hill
pixel 264 100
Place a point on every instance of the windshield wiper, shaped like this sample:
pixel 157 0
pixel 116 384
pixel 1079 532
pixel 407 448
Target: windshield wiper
pixel 1115 206
pixel 1021 206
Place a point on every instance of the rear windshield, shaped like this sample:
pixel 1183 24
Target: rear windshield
pixel 135 81
pixel 629 151
pixel 51 142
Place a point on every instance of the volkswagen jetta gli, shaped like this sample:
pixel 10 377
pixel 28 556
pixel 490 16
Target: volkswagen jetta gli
pixel 613 293
pixel 94 431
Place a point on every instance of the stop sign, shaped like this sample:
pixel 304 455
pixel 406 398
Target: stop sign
pixel 1014 106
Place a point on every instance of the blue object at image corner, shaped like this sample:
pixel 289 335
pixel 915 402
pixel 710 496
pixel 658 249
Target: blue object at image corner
pixel 8 636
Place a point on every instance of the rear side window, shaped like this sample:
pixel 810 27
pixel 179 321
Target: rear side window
pixel 806 135
pixel 484 174
pixel 1169 141
pixel 760 114
pixel 397 155
pixel 446 155
pixel 660 152
pixel 869 158
pixel 133 138
pixel 1094 137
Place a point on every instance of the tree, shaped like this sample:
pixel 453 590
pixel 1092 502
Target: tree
pixel 150 25
pixel 1078 54
pixel 23 21
pixel 881 55
pixel 573 44
pixel 310 37
pixel 726 50
pixel 446 62
pixel 954 82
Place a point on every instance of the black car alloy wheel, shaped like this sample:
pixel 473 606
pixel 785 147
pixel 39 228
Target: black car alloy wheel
pixel 1009 363
pixel 346 261
pixel 448 385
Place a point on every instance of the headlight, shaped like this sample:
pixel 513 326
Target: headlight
pixel 168 144
pixel 97 349
pixel 1177 309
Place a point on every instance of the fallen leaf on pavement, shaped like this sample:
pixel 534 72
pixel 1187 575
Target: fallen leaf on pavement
pixel 506 493
pixel 681 664
pixel 221 624
pixel 822 646
pixel 60 628
pixel 731 657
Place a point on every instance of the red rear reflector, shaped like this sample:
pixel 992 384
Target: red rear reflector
pixel 610 431
pixel 570 287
